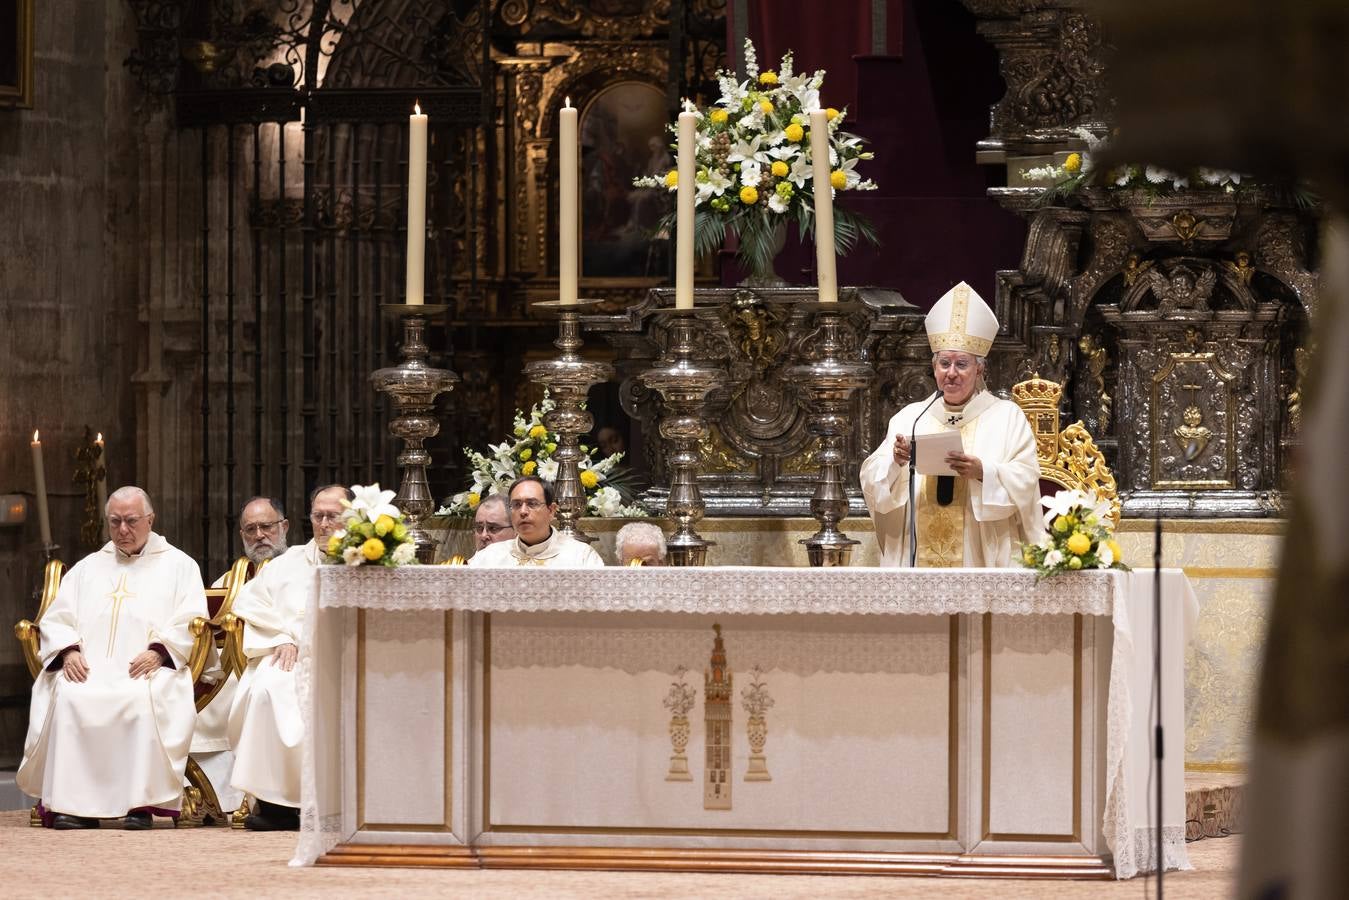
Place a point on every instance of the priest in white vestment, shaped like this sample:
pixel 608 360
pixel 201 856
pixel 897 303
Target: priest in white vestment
pixel 112 712
pixel 266 729
pixel 537 542
pixel 262 529
pixel 982 513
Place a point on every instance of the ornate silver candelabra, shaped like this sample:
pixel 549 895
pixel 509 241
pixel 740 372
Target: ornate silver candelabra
pixel 829 377
pixel 683 383
pixel 568 379
pixel 413 387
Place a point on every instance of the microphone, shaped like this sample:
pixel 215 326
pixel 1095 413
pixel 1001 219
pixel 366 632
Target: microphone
pixel 913 509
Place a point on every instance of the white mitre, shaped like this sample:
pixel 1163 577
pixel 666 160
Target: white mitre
pixel 961 320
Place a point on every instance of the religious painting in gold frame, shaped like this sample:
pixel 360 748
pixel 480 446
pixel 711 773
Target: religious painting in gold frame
pixel 16 54
pixel 624 134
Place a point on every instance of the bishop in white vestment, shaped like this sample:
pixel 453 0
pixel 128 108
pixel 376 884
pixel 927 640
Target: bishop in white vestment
pixel 979 516
pixel 536 542
pixel 112 712
pixel 266 727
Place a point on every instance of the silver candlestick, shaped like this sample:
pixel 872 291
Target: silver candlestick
pixel 568 379
pixel 830 376
pixel 683 383
pixel 413 387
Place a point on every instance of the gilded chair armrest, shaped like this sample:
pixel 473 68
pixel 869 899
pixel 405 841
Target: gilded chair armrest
pixel 201 646
pixel 27 633
pixel 232 658
pixel 234 582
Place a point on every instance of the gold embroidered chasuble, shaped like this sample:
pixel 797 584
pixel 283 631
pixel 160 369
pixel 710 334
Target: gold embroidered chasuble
pixel 986 520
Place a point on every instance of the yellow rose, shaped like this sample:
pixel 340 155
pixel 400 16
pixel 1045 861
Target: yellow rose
pixel 749 195
pixel 1074 562
pixel 1061 524
pixel 525 454
pixel 1073 163
pixel 551 447
pixel 400 532
pixel 794 133
pixel 474 498
pixel 384 524
pixel 830 114
pixel 529 468
pixel 779 168
pixel 672 178
pixel 588 477
pixel 766 106
pixel 334 545
pixel 768 78
pixel 839 180
pixel 1115 550
pixel 1079 543
pixel 718 116
pixel 538 431
pixel 373 549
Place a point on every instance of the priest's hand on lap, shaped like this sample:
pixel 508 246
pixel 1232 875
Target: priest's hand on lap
pixel 902 451
pixel 145 663
pixel 74 666
pixel 285 657
pixel 966 466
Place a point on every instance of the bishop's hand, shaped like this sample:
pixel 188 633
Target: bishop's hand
pixel 145 664
pixel 966 466
pixel 74 666
pixel 285 656
pixel 902 450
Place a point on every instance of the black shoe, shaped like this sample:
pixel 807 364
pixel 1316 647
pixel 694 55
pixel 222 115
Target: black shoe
pixel 138 821
pixel 273 817
pixel 63 822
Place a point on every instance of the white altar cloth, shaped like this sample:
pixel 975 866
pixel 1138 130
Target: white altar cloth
pixel 1124 597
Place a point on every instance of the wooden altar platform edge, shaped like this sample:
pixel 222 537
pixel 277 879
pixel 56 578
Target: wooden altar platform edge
pixel 746 862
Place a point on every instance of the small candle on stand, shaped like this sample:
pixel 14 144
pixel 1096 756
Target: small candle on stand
pixel 101 466
pixel 824 208
pixel 568 223
pixel 40 479
pixel 416 254
pixel 684 211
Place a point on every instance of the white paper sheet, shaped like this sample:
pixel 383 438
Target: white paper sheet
pixel 930 452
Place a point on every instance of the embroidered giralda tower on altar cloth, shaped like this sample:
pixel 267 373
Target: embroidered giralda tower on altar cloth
pixel 717 717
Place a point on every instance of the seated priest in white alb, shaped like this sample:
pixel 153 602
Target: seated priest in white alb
pixel 262 529
pixel 266 729
pixel 491 522
pixel 979 515
pixel 112 713
pixel 640 544
pixel 537 542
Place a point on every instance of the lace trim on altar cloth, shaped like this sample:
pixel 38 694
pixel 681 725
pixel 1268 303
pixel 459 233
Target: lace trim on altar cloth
pixel 719 589
pixel 318 834
pixel 1142 852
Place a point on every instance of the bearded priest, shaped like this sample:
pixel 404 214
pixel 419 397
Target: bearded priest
pixel 112 713
pixel 537 543
pixel 266 729
pixel 988 502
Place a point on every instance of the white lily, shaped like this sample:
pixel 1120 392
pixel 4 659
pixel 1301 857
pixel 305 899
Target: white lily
pixel 373 502
pixel 1061 504
pixel 801 172
pixel 747 151
pixel 750 172
pixel 714 185
pixel 785 152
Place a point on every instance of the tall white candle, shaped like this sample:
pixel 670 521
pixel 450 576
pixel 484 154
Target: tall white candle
pixel 416 274
pixel 568 223
pixel 684 212
pixel 824 208
pixel 40 479
pixel 101 490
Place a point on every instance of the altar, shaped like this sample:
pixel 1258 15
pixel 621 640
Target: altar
pixel 766 719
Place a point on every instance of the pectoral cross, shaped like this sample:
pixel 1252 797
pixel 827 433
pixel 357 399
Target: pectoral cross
pixel 118 594
pixel 954 419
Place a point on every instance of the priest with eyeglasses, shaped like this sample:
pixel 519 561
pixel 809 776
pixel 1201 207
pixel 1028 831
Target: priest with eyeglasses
pixel 491 522
pixel 112 713
pixel 980 500
pixel 537 543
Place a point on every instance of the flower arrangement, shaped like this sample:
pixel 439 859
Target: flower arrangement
pixel 1079 170
pixel 754 165
pixel 530 452
pixel 1078 538
pixel 374 533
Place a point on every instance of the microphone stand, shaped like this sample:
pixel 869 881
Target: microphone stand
pixel 913 508
pixel 1157 676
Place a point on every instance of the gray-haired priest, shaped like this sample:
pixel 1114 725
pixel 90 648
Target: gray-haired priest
pixel 536 543
pixel 112 713
pixel 988 502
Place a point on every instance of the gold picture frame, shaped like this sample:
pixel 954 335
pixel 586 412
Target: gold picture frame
pixel 16 54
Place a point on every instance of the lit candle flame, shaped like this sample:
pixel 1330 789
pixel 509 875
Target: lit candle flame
pixel 99 439
pixel 417 108
pixel 35 440
pixel 569 103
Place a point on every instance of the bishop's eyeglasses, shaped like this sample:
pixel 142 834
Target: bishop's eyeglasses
pixel 260 528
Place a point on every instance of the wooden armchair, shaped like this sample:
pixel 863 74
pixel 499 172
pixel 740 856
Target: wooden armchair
pixel 1069 458
pixel 29 631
